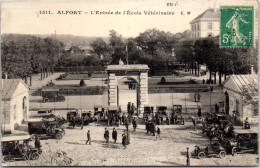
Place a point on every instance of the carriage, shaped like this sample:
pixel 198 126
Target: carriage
pixel 113 114
pixel 17 147
pixel 161 115
pixel 243 141
pixel 177 115
pixel 148 113
pixel 99 111
pixel 45 128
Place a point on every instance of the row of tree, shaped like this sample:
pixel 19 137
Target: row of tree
pixel 224 61
pixel 24 55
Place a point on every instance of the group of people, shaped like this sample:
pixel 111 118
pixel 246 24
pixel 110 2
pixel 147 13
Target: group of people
pixel 130 108
pixel 125 137
pixel 131 86
pixel 197 97
pixel 151 129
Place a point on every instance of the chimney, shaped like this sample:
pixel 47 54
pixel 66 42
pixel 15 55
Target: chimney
pixel 214 7
pixel 252 69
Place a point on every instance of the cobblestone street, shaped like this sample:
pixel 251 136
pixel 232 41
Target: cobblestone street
pixel 142 151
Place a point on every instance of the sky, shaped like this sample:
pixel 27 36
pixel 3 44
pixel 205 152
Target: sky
pixel 24 17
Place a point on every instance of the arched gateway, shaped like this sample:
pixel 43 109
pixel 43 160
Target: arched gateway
pixel 137 72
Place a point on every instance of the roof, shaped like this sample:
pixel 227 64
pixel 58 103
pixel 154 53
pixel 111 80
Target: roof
pixel 127 67
pixel 8 88
pixel 208 14
pixel 15 138
pixel 241 83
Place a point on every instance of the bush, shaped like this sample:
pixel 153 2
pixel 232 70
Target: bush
pixel 163 81
pixel 82 82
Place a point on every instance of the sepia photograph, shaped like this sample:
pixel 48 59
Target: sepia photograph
pixel 162 83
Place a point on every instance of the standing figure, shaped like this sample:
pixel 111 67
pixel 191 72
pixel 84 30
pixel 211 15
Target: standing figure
pixel 106 135
pixel 247 126
pixel 199 112
pixel 195 97
pixel 126 124
pixel 124 139
pixel 37 142
pixel 233 24
pixel 114 135
pixel 132 109
pixel 158 133
pixel 153 128
pixel 199 97
pixel 88 138
pixel 134 124
pixel 216 108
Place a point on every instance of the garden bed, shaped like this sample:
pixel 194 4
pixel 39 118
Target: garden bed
pixel 72 90
pixel 73 76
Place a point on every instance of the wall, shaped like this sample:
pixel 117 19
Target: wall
pixel 17 101
pixel 243 109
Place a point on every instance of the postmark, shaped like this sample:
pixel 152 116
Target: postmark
pixel 237 26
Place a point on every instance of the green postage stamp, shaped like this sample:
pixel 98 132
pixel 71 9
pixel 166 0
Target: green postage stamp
pixel 237 26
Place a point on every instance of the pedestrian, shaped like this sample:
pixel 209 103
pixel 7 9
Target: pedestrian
pixel 153 128
pixel 73 122
pixel 203 81
pixel 247 125
pixel 114 135
pixel 126 124
pixel 123 118
pixel 211 88
pixel 82 123
pixel 134 124
pixel 147 127
pixel 88 138
pixel 106 135
pixel 124 139
pixel 216 108
pixel 132 109
pixel 37 142
pixel 199 111
pixel 198 97
pixel 127 138
pixel 128 86
pixel 158 133
pixel 195 97
pixel 120 118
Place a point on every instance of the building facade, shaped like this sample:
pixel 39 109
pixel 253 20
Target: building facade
pixel 14 105
pixel 240 94
pixel 206 24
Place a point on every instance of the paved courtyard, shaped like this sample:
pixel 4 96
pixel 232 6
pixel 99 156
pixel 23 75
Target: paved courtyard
pixel 142 151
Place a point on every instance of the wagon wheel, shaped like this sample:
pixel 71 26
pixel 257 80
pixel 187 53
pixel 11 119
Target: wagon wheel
pixel 222 154
pixel 78 124
pixel 6 158
pixel 234 151
pixel 34 156
pixel 58 135
pixel 45 100
pixel 183 122
pixel 201 155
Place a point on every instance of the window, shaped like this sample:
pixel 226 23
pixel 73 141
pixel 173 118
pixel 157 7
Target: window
pixel 210 25
pixel 195 27
pixel 198 26
pixel 24 103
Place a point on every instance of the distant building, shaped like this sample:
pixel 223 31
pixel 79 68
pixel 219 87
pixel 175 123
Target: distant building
pixel 240 94
pixel 206 24
pixel 14 105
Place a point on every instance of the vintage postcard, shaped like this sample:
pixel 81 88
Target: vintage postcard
pixel 129 83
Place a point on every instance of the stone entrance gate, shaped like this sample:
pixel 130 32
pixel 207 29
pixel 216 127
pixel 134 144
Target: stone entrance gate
pixel 137 72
